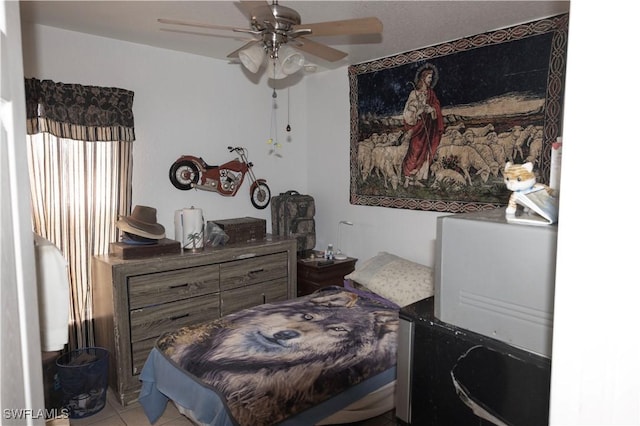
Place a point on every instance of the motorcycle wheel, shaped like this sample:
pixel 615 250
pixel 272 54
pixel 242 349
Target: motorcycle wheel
pixel 183 173
pixel 260 196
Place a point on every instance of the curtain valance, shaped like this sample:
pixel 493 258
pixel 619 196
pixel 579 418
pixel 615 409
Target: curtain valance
pixel 75 111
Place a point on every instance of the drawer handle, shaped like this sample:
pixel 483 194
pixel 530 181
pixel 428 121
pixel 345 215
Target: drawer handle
pixel 178 317
pixel 179 285
pixel 254 272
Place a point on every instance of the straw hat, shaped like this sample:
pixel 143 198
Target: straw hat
pixel 142 222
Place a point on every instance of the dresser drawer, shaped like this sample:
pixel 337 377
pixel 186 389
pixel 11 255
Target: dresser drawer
pixel 275 290
pixel 239 298
pixel 139 353
pixel 152 321
pixel 254 270
pixel 162 287
pixel 148 323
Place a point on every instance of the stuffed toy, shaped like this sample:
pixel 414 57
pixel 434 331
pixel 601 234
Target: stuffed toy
pixel 519 178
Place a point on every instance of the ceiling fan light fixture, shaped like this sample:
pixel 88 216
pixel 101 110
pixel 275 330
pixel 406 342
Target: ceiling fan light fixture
pixel 274 69
pixel 273 26
pixel 284 62
pixel 252 57
pixel 291 60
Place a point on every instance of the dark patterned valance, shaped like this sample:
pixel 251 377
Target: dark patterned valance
pixel 74 111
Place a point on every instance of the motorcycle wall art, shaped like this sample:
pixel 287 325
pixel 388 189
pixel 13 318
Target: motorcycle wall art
pixel 189 172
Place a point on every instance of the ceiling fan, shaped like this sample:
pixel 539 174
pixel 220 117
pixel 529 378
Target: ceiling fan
pixel 275 28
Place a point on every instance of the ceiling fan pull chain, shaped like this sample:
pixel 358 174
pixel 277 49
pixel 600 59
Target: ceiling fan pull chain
pixel 273 131
pixel 288 109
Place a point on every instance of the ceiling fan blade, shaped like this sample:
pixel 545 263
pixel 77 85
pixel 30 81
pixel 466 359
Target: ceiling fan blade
pixel 370 25
pixel 234 54
pixel 320 50
pixel 196 24
pixel 234 37
pixel 246 7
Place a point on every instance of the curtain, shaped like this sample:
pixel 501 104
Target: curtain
pixel 80 164
pixel 74 111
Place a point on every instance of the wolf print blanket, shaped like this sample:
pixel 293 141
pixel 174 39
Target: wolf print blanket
pixel 275 360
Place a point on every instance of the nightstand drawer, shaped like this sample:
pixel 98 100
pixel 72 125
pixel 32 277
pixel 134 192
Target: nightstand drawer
pixel 162 287
pixel 329 274
pixel 255 270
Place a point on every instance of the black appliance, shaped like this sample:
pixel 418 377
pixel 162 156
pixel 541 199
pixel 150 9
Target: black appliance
pixel 450 376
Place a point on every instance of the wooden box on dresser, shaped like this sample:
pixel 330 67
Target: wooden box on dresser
pixel 135 301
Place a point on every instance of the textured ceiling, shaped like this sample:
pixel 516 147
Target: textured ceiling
pixel 407 25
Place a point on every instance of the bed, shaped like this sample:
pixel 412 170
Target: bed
pixel 324 358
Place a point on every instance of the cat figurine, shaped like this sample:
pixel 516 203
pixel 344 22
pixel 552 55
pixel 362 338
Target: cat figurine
pixel 520 177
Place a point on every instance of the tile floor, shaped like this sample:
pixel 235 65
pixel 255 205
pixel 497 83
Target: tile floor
pixel 114 414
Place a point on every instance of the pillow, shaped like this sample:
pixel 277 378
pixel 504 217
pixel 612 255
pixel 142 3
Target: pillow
pixel 365 293
pixel 395 278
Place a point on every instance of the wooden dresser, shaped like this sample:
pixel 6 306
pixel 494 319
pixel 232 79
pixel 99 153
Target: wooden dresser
pixel 135 301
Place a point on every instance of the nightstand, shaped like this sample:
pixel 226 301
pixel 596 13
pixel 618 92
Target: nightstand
pixel 313 274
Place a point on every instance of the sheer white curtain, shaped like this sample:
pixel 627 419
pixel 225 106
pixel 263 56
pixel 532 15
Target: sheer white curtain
pixel 78 187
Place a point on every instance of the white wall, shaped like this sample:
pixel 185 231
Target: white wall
pixel 596 350
pixel 20 358
pixel 183 104
pixel 187 104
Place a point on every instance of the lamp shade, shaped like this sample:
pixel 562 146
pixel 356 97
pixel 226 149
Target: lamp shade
pixel 291 60
pixel 252 57
pixel 274 69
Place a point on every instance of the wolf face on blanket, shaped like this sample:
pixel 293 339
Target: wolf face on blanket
pixel 276 360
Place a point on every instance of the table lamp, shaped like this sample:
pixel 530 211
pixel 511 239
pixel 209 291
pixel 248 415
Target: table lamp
pixel 339 255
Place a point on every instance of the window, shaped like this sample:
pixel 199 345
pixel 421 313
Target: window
pixel 79 151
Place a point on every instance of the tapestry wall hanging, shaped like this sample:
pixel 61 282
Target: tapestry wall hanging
pixel 432 129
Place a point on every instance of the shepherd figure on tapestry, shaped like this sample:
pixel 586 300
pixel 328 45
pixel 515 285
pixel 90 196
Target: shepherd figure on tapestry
pixel 424 126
